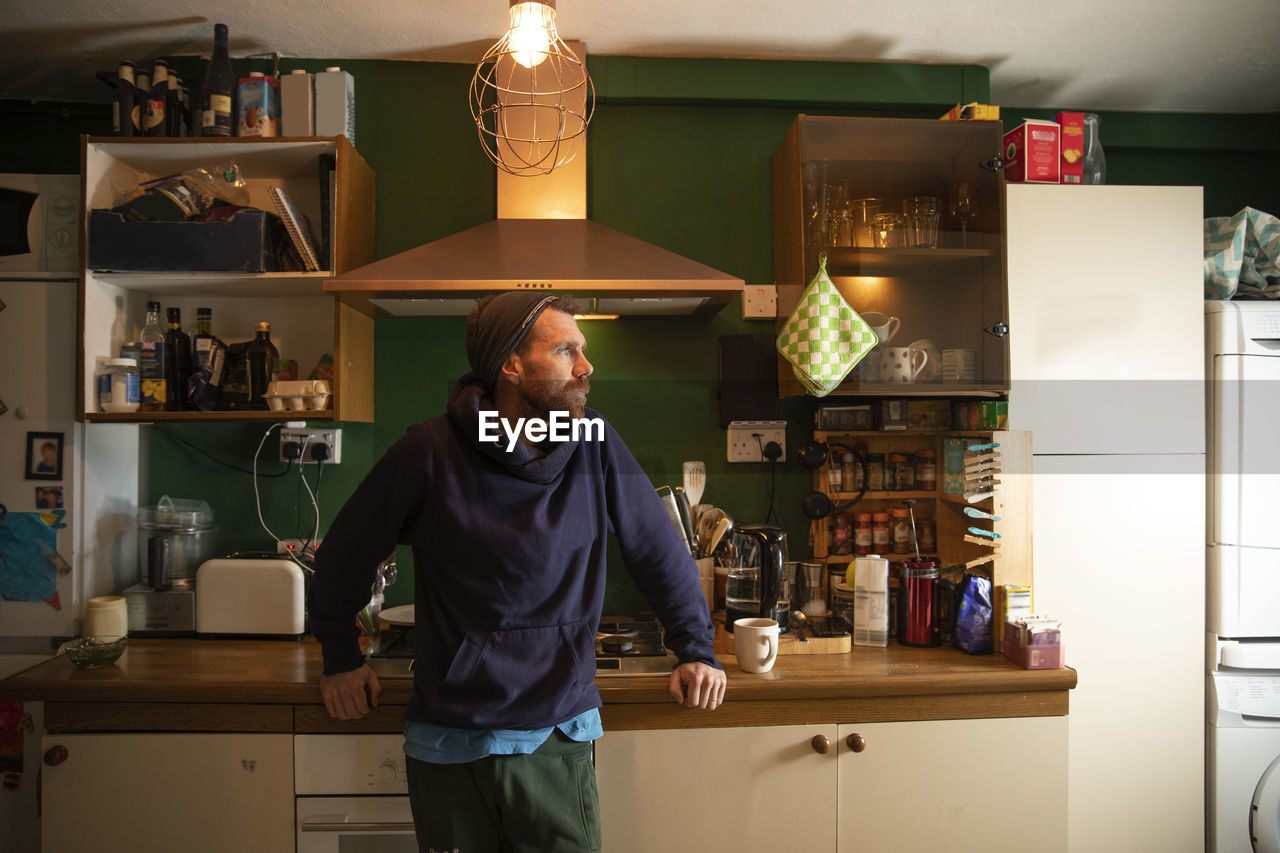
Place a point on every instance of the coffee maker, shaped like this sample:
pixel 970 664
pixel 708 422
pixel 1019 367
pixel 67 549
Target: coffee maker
pixel 760 590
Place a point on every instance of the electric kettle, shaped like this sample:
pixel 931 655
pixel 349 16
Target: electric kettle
pixel 757 591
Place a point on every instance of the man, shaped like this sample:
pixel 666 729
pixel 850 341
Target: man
pixel 509 558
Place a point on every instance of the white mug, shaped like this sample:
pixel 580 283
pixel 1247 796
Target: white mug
pixel 755 641
pixel 902 364
pixel 106 616
pixel 883 325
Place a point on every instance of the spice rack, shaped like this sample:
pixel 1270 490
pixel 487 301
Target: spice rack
pixel 1008 562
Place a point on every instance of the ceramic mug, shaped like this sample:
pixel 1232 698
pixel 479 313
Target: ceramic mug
pixel 755 641
pixel 902 365
pixel 883 325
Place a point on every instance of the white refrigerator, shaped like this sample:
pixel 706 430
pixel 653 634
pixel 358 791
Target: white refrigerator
pixel 1107 369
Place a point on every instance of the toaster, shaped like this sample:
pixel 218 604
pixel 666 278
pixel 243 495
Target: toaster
pixel 262 597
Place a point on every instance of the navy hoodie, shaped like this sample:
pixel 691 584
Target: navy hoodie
pixel 509 567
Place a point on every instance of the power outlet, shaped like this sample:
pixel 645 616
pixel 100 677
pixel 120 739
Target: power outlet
pixel 310 439
pixel 759 301
pixel 746 438
pixel 296 546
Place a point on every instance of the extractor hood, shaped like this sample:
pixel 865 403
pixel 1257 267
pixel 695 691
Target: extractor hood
pixel 541 240
pixel 611 271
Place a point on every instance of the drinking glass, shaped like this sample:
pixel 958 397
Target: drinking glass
pixel 962 206
pixel 815 202
pixel 862 210
pixel 838 213
pixel 889 230
pixel 922 214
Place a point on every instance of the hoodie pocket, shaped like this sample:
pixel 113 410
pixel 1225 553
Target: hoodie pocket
pixel 530 672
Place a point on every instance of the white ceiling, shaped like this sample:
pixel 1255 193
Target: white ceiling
pixel 1138 55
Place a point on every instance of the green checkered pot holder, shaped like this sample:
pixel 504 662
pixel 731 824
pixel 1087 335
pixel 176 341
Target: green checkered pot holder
pixel 824 338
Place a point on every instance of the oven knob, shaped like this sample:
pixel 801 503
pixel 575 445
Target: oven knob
pixel 388 772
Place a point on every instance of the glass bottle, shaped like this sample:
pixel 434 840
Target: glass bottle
pixel 157 98
pixel 177 363
pixel 218 91
pixel 122 104
pixel 1095 161
pixel 151 364
pixel 208 358
pixel 142 87
pixel 173 107
pixel 261 358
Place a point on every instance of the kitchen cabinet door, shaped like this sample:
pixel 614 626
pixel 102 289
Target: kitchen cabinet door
pixel 157 793
pixel 954 785
pixel 751 788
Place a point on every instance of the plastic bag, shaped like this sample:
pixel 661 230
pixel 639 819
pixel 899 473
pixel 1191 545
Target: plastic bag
pixel 972 633
pixel 187 196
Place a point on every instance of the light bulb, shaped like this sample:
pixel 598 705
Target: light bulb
pixel 531 33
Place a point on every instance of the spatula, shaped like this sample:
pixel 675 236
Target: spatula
pixel 695 481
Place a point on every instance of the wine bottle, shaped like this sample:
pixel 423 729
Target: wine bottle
pixel 177 363
pixel 261 358
pixel 141 88
pixel 151 365
pixel 218 89
pixel 173 107
pixel 157 99
pixel 122 103
pixel 208 357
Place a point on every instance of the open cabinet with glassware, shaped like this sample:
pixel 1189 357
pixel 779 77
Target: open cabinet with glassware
pixel 975 513
pixel 326 181
pixel 910 216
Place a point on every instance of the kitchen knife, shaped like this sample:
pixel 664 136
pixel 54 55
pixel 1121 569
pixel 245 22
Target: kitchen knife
pixel 673 511
pixel 686 519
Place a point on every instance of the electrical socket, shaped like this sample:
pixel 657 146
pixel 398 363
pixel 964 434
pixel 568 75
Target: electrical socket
pixel 759 301
pixel 328 436
pixel 295 546
pixel 743 443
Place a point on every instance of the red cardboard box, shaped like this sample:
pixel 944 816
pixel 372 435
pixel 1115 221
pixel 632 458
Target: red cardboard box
pixel 1072 144
pixel 1031 152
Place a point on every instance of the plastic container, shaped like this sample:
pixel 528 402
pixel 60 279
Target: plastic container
pixel 119 386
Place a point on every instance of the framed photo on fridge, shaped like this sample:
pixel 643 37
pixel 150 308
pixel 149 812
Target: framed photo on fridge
pixel 44 456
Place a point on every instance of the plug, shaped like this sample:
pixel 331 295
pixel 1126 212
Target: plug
pixel 320 452
pixel 291 451
pixel 772 451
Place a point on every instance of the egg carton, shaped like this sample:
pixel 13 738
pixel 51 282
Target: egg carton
pixel 297 395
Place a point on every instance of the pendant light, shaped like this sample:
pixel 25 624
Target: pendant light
pixel 531 95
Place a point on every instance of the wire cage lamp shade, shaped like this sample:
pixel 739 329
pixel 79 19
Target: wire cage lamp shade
pixel 531 95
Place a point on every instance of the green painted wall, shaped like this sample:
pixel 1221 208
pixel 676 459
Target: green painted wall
pixel 679 156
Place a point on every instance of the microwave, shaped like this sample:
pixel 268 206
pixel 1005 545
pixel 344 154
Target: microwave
pixel 39 217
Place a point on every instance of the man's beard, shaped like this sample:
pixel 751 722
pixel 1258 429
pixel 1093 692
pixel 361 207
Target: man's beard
pixel 545 397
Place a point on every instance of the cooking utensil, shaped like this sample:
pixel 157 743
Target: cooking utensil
pixel 695 480
pixel 402 615
pixel 799 621
pixel 686 519
pixel 673 511
pixel 720 534
pixel 706 526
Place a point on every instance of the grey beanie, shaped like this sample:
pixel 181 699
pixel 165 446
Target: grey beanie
pixel 501 325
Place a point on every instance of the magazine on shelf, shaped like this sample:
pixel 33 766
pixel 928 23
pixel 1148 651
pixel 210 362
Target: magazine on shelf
pixel 298 227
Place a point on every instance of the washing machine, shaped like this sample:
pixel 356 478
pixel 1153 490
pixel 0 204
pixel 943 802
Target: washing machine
pixel 1242 752
pixel 1242 581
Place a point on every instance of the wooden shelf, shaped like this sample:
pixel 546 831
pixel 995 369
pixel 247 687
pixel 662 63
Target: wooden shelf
pixel 918 495
pixel 892 557
pixel 206 417
pixel 205 284
pixel 894 262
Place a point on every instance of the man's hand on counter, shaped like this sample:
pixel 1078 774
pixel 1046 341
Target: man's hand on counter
pixel 696 685
pixel 350 695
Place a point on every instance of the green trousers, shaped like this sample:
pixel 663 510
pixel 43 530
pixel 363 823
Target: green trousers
pixel 544 802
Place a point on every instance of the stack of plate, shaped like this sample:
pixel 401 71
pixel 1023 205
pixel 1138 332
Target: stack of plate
pixel 960 366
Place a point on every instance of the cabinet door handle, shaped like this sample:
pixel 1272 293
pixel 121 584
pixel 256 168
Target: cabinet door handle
pixel 55 755
pixel 820 744
pixel 856 742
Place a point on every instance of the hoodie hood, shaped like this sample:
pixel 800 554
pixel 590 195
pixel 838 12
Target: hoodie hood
pixel 530 463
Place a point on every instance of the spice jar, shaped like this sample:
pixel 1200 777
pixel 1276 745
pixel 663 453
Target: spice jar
pixel 927 470
pixel 892 471
pixel 901 530
pixel 875 472
pixel 835 477
pixel 907 473
pixel 862 537
pixel 848 475
pixel 880 533
pixel 841 535
pixel 927 535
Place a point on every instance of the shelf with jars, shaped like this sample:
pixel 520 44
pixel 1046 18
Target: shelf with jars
pixel 328 183
pixel 1000 486
pixel 910 216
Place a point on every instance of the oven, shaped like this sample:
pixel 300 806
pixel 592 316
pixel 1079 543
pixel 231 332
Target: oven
pixel 351 795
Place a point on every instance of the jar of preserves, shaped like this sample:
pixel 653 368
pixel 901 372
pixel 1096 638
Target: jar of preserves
pixel 875 472
pixel 901 530
pixel 862 537
pixel 927 470
pixel 880 533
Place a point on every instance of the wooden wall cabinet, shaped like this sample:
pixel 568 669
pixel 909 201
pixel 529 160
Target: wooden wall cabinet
pixel 1008 562
pixel 954 295
pixel 305 322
